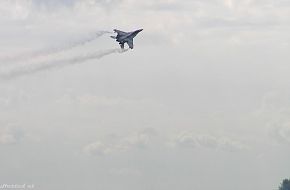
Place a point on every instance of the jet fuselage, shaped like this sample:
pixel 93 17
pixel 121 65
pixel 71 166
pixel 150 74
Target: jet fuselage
pixel 125 37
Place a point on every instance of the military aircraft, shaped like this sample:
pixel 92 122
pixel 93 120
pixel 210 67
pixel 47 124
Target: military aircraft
pixel 125 37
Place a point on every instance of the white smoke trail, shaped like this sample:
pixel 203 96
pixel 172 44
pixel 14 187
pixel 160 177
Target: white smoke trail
pixel 37 67
pixel 51 50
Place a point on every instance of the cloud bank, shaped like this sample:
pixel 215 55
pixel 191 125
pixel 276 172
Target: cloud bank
pixel 189 140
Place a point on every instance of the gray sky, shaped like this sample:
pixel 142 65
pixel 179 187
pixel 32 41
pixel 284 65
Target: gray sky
pixel 202 101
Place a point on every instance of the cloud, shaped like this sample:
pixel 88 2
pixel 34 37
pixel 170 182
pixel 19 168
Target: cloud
pixel 10 135
pixel 273 103
pixel 186 140
pixel 96 149
pixel 14 10
pixel 7 138
pixel 138 140
pixel 115 144
pixel 190 140
pixel 190 22
pixel 231 145
pixel 280 132
pixel 273 113
pixel 284 132
pixel 149 139
pixel 208 141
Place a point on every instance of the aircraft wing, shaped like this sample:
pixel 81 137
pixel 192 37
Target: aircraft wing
pixel 119 32
pixel 130 43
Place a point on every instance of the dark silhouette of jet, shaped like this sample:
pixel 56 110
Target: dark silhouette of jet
pixel 125 37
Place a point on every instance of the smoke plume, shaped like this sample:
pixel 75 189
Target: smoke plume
pixel 32 68
pixel 51 50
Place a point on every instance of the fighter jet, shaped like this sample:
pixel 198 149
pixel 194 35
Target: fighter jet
pixel 125 37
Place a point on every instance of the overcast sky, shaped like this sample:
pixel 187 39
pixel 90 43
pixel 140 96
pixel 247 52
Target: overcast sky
pixel 201 102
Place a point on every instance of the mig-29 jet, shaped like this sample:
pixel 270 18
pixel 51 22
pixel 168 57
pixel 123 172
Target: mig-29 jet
pixel 125 37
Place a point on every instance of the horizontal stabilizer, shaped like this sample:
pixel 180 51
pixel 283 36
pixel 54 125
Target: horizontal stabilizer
pixel 130 43
pixel 114 37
